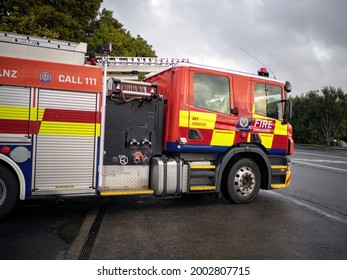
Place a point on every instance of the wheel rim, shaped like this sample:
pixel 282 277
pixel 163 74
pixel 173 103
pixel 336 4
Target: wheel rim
pixel 2 192
pixel 244 181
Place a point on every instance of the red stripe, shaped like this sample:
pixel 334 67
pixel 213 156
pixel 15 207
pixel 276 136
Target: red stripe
pixel 19 127
pixel 57 115
pixel 288 180
pixel 280 142
pixel 35 127
pixel 14 126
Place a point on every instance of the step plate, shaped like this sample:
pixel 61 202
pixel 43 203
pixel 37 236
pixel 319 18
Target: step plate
pixel 202 188
pixel 115 192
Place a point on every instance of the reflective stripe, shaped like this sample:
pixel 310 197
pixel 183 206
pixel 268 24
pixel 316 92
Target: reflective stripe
pixel 194 119
pixel 20 113
pixel 79 116
pixel 266 139
pixel 279 166
pixel 273 133
pixel 280 129
pixel 15 119
pixel 184 118
pixel 278 186
pixel 223 137
pixel 288 177
pixel 202 120
pixel 112 192
pixel 69 129
pixel 202 166
pixel 273 140
pixel 202 188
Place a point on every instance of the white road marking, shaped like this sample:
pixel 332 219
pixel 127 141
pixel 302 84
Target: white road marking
pixel 320 166
pixel 321 160
pixel 321 155
pixel 327 213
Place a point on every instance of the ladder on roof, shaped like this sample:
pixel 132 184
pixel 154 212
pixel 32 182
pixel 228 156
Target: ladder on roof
pixel 118 60
pixel 137 64
pixel 34 41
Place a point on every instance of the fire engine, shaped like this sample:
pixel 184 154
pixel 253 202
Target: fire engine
pixel 71 129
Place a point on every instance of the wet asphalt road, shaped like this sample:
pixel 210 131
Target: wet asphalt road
pixel 41 229
pixel 320 177
pixel 206 228
pixel 306 221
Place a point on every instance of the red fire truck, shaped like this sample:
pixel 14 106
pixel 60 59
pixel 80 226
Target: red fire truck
pixel 66 129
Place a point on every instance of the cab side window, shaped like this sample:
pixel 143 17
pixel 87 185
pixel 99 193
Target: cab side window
pixel 268 100
pixel 212 93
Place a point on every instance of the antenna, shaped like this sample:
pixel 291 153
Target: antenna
pixel 259 61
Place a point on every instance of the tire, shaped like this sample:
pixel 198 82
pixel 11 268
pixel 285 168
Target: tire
pixel 243 181
pixel 9 191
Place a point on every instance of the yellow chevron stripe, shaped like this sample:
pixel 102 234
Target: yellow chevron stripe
pixel 194 119
pixel 266 139
pixel 20 113
pixel 202 120
pixel 69 129
pixel 184 118
pixel 222 137
pixel 280 129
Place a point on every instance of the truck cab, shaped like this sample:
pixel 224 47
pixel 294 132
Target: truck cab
pixel 225 117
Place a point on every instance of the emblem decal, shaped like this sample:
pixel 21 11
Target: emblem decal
pixel 45 77
pixel 243 124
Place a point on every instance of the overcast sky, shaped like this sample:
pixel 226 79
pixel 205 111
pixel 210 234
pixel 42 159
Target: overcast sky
pixel 302 41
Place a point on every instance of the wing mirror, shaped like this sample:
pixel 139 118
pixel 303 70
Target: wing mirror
pixel 288 111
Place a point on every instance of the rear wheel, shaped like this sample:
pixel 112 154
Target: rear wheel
pixel 243 181
pixel 8 191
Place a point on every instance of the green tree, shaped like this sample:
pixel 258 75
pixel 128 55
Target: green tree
pixel 56 19
pixel 72 20
pixel 106 28
pixel 305 108
pixel 333 113
pixel 320 117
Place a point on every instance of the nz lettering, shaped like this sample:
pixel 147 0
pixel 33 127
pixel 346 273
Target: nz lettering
pixel 8 73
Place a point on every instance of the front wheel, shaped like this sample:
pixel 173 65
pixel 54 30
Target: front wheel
pixel 8 191
pixel 243 181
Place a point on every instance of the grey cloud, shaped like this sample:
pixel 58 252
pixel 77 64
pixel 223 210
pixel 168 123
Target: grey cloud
pixel 302 41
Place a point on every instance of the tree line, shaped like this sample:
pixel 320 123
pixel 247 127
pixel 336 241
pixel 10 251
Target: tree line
pixel 72 20
pixel 320 117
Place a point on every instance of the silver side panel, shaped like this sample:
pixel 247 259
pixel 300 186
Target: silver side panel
pixel 14 96
pixel 64 162
pixel 125 177
pixel 65 165
pixel 67 100
pixel 120 177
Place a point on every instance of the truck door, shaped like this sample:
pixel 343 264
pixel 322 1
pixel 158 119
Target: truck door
pixel 211 126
